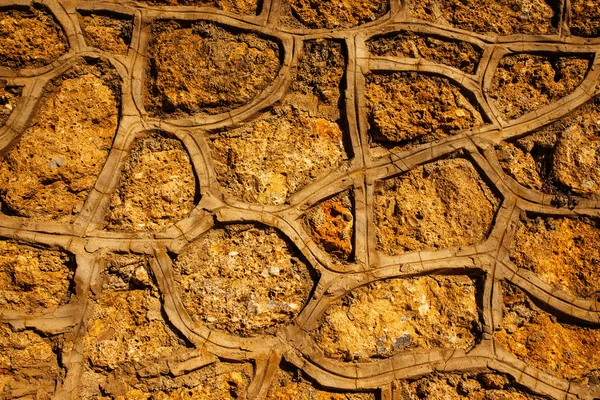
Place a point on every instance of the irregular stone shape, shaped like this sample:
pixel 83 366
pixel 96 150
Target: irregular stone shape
pixel 157 186
pixel 473 386
pixel 563 157
pixel 33 278
pixel 247 7
pixel 51 170
pixel 387 317
pixel 433 206
pixel 501 17
pixel 407 107
pixel 543 341
pixel 30 38
pixel 242 279
pixel 563 252
pixel 273 157
pixel 338 13
pixel 331 225
pixel 526 82
pixel 127 340
pixel 457 54
pixel 204 68
pixel 29 366
pixel 288 384
pixel 585 18
pixel 9 95
pixel 316 86
pixel 107 32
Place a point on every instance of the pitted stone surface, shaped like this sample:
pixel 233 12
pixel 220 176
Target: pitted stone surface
pixel 563 252
pixel 288 199
pixel 32 278
pixel 157 187
pixel 204 68
pixel 525 82
pixel 405 108
pixel 387 317
pixel 29 38
pixel 49 172
pixel 242 279
pixel 434 206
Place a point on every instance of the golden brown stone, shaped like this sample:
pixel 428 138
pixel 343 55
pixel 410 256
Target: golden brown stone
pixel 386 317
pixel 109 33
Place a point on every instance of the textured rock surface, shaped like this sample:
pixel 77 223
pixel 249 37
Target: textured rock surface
pixel 248 7
pixel 289 384
pixel 543 341
pixel 562 157
pixel 407 107
pixel 472 386
pixel 271 158
pixel 157 186
pixel 127 338
pixel 109 33
pixel 29 367
pixel 29 38
pixel 338 13
pixel 331 225
pixel 204 68
pixel 525 82
pixel 502 17
pixel 386 317
pixel 585 18
pixel 32 278
pixel 49 172
pixel 275 156
pixel 437 205
pixel 9 95
pixel 563 252
pixel 457 54
pixel 242 279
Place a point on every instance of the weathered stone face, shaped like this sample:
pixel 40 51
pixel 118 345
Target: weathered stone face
pixel 384 318
pixel 433 206
pixel 242 279
pixel 49 172
pixel 205 68
pixel 299 199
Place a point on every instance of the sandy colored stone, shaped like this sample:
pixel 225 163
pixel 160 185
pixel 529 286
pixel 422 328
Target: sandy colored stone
pixel 408 107
pixel 563 252
pixel 9 96
pixel 288 384
pixel 243 279
pixel 543 341
pixel 526 82
pixel 49 172
pixel 273 157
pixel 157 186
pixel 29 367
pixel 247 7
pixel 331 225
pixel 394 315
pixel 127 339
pixel 501 17
pixel 204 68
pixel 471 386
pixel 109 33
pixel 563 157
pixel 338 13
pixel 457 54
pixel 29 38
pixel 317 83
pixel 32 278
pixel 585 18
pixel 442 204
